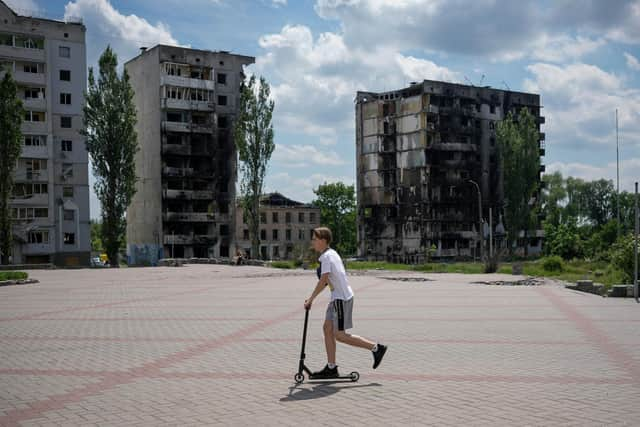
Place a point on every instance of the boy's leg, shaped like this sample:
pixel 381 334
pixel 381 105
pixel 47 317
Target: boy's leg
pixel 329 341
pixel 354 340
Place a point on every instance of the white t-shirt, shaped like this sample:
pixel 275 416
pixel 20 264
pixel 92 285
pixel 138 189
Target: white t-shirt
pixel 330 262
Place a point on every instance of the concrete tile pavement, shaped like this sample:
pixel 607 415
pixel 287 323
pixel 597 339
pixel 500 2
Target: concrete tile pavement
pixel 218 345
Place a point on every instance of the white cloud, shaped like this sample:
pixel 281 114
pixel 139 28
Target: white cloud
pixel 107 26
pixel 500 30
pixel 305 155
pixel 314 80
pixel 564 48
pixel 580 102
pixel 301 188
pixel 278 3
pixel 628 171
pixel 25 7
pixel 632 62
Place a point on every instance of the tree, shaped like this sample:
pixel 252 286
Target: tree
pixel 599 197
pixel 11 115
pixel 338 212
pixel 253 136
pixel 518 147
pixel 96 231
pixel 553 193
pixel 110 117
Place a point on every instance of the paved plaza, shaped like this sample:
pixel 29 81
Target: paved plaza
pixel 219 345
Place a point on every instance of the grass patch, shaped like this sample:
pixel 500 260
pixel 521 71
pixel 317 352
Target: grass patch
pixel 571 270
pixel 13 275
pixel 283 264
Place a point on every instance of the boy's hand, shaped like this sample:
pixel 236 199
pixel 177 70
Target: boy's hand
pixel 307 304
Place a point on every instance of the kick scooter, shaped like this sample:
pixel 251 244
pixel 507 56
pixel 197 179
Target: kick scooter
pixel 299 377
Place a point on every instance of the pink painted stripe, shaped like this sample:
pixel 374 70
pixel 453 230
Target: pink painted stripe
pixel 588 327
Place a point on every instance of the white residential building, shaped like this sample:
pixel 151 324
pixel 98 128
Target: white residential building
pixel 50 202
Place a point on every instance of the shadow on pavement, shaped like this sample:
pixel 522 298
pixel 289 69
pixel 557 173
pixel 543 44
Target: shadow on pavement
pixel 320 390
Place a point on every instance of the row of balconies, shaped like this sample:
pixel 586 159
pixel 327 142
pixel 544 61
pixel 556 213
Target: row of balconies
pixel 184 104
pixel 187 150
pixel 188 194
pixel 190 239
pixel 188 217
pixel 187 127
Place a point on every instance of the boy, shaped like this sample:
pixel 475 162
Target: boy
pixel 339 312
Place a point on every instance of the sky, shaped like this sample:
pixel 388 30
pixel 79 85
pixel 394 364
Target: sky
pixel 581 56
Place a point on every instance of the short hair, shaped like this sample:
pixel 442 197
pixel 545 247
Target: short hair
pixel 323 233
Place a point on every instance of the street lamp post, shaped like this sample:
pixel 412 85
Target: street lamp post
pixel 479 219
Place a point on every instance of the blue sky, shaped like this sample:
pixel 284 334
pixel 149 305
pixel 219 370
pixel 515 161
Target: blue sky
pixel 583 57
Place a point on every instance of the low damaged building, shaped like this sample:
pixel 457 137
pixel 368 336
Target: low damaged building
pixel 285 228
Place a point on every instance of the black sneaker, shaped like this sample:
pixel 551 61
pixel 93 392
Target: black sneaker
pixel 326 372
pixel 378 355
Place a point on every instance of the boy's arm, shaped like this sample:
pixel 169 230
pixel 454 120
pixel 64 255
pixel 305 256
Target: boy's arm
pixel 322 283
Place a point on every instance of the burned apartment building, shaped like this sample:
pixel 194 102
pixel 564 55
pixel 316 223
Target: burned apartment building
pixel 423 153
pixel 186 101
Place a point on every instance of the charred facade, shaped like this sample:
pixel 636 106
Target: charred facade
pixel 423 153
pixel 187 101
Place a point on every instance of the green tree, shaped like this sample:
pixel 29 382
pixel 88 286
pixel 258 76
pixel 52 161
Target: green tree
pixel 518 147
pixel 96 242
pixel 337 205
pixel 110 117
pixel 563 240
pixel 599 199
pixel 553 194
pixel 623 256
pixel 11 115
pixel 253 136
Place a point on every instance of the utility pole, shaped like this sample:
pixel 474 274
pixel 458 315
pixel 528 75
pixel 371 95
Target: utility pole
pixel 617 177
pixel 635 249
pixel 479 220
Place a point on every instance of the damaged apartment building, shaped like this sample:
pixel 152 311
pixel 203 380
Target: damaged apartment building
pixel 186 101
pixel 423 153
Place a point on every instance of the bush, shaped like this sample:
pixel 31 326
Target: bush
pixel 13 275
pixel 622 256
pixel 282 264
pixel 552 263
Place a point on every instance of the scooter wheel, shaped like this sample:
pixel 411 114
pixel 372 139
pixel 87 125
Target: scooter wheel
pixel 299 378
pixel 354 376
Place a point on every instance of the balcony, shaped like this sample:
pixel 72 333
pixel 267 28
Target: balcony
pixel 34 55
pixel 37 248
pixel 31 200
pixel 39 104
pixel 187 217
pixel 178 239
pixel 205 239
pixel 177 172
pixel 35 151
pixel 187 82
pixel 182 104
pixel 30 78
pixel 176 126
pixel 202 127
pixel 35 127
pixel 176 149
pixel 188 194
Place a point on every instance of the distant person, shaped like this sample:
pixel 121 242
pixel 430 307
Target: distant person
pixel 239 258
pixel 338 318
